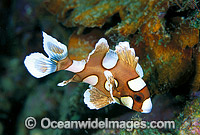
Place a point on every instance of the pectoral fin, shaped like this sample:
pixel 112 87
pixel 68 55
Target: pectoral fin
pixel 75 78
pixel 96 99
pixel 112 84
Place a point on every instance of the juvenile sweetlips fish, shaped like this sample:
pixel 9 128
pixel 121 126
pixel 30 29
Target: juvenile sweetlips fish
pixel 114 75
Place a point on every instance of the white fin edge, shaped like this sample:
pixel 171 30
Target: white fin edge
pixel 87 100
pixel 99 97
pixel 139 70
pixel 53 48
pixel 39 65
pixel 101 40
pixel 124 46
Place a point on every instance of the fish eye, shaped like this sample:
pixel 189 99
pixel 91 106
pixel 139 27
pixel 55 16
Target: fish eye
pixel 139 97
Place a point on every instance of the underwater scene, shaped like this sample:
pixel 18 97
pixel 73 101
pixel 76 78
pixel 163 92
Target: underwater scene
pixel 95 67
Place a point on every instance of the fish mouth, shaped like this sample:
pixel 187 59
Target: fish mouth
pixel 137 109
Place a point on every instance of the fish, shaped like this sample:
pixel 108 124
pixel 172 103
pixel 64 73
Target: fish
pixel 114 76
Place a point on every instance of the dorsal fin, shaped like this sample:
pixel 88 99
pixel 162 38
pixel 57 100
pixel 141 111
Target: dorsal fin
pixel 139 70
pixel 126 54
pixel 101 47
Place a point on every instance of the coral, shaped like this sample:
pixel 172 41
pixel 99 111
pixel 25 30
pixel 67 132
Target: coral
pixel 186 36
pixel 196 82
pixel 184 4
pixel 196 22
pixel 159 51
pixel 95 13
pixel 161 54
pixel 148 132
pixel 134 132
pixel 167 47
pixel 164 57
pixel 188 121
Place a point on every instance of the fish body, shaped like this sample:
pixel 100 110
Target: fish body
pixel 114 75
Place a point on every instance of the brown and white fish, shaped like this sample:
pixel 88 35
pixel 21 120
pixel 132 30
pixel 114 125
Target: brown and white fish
pixel 114 75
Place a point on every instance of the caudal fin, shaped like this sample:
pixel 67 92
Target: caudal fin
pixel 54 49
pixel 39 65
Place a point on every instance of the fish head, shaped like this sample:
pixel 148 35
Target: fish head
pixel 134 94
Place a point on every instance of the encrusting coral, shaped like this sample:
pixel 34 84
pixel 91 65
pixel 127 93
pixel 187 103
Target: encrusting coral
pixel 188 121
pixel 196 82
pixel 167 45
pixel 165 58
pixel 95 13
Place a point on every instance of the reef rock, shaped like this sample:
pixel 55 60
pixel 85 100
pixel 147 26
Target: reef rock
pixel 96 13
pixel 189 120
pixel 164 57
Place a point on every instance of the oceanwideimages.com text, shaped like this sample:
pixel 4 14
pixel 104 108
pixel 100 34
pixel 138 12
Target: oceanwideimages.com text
pixel 47 123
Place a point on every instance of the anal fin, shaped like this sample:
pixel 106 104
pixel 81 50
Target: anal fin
pixel 96 99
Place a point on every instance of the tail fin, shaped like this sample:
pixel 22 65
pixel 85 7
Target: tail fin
pixel 39 65
pixel 54 49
